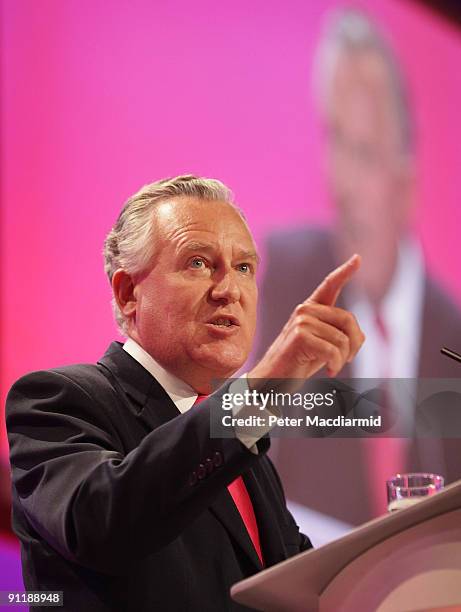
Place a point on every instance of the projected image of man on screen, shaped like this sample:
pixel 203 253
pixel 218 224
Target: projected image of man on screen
pixel 371 173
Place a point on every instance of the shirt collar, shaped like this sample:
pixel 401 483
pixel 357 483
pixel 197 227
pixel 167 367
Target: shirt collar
pixel 182 395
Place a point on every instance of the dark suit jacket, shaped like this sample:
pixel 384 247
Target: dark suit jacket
pixel 121 502
pixel 298 260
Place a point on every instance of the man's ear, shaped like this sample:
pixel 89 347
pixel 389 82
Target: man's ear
pixel 123 289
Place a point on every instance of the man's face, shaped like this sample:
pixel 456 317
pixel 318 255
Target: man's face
pixel 367 176
pixel 196 306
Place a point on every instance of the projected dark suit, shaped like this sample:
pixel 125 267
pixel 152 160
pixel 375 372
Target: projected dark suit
pixel 308 254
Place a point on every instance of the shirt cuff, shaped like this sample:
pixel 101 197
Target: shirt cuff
pixel 250 436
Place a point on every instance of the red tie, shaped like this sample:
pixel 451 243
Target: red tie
pixel 242 500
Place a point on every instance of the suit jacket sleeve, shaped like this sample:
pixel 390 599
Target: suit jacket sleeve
pixel 92 502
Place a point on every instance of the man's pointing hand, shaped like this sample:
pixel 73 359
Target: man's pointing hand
pixel 317 333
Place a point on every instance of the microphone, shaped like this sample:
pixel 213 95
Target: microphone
pixel 449 353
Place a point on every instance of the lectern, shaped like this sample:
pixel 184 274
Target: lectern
pixel 406 561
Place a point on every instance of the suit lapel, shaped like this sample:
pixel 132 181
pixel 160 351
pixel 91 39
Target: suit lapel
pixel 147 399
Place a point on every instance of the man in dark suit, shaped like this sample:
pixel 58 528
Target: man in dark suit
pixel 370 169
pixel 121 497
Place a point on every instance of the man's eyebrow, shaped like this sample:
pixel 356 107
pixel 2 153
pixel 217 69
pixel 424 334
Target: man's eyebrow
pixel 195 245
pixel 250 255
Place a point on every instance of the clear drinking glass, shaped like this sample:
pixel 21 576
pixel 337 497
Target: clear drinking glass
pixel 404 490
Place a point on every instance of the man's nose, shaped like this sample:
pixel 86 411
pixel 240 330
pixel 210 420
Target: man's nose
pixel 225 288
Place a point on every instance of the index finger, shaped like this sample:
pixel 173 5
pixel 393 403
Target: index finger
pixel 329 289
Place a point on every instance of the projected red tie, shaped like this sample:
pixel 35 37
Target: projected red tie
pixel 242 500
pixel 386 456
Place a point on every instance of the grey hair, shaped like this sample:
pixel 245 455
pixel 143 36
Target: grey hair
pixel 350 30
pixel 130 244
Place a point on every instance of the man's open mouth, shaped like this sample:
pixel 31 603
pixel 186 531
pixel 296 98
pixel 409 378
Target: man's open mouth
pixel 224 321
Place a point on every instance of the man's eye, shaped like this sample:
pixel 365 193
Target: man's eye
pixel 197 263
pixel 245 268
